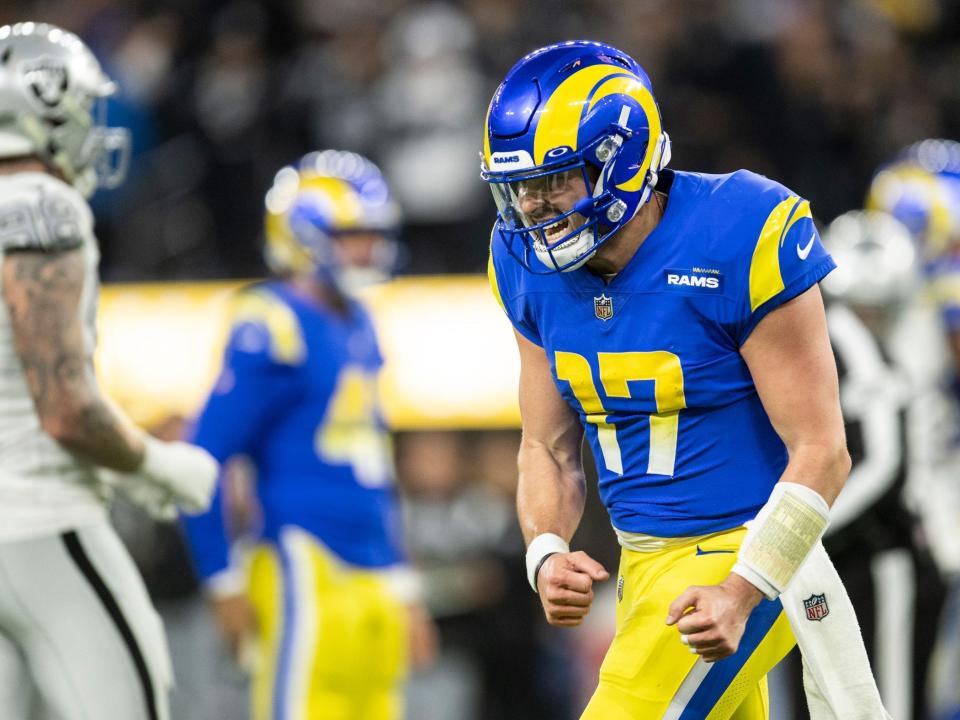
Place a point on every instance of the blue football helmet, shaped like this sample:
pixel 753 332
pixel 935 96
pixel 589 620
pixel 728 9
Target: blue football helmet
pixel 574 111
pixel 921 188
pixel 325 196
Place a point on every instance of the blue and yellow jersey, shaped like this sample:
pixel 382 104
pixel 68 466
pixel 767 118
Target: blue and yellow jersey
pixel 297 396
pixel 651 360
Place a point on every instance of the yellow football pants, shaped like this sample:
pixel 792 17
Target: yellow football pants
pixel 648 674
pixel 332 641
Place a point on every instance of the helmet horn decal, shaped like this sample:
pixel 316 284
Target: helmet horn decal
pixel 631 86
pixel 560 118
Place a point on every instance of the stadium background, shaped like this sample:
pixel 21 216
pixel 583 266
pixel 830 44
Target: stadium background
pixel 220 94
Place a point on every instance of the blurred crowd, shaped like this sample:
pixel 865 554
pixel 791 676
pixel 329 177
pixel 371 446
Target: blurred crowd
pixel 219 94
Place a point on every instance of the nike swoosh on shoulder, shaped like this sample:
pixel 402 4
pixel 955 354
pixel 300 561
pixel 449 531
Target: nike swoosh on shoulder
pixel 802 252
pixel 711 552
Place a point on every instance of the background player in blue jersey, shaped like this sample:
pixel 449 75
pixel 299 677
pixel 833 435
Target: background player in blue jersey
pixel 325 596
pixel 921 189
pixel 675 318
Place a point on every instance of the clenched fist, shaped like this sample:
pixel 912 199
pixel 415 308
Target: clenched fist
pixel 565 584
pixel 711 618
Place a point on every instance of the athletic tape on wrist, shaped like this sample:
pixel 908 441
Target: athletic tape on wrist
pixel 781 536
pixel 539 548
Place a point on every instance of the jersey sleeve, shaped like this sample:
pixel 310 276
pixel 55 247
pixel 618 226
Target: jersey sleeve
pixel 785 258
pixel 259 379
pixel 46 216
pixel 502 272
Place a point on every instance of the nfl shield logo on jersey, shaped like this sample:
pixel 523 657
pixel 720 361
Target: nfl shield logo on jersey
pixel 816 607
pixel 603 307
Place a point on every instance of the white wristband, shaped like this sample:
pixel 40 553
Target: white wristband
pixel 226 583
pixel 405 583
pixel 538 549
pixel 779 539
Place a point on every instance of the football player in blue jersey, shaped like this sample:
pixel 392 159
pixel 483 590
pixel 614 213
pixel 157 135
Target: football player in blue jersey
pixel 921 188
pixel 675 318
pixel 325 599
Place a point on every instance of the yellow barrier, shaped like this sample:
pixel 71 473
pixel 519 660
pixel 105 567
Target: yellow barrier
pixel 451 361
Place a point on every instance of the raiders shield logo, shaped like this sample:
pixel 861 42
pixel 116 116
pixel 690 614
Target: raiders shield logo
pixel 603 307
pixel 816 607
pixel 47 78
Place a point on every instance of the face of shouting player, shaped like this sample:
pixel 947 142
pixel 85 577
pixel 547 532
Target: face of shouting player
pixel 543 198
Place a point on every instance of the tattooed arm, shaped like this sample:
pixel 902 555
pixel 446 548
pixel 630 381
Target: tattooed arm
pixel 42 290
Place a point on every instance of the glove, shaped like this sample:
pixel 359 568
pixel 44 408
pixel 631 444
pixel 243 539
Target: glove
pixel 186 473
pixel 173 474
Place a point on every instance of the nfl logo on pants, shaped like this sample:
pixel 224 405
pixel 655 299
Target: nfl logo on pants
pixel 816 607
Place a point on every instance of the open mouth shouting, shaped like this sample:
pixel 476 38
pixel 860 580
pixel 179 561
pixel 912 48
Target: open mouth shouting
pixel 558 230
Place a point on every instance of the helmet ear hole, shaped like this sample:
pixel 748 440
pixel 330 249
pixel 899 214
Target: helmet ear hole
pixel 616 211
pixel 607 148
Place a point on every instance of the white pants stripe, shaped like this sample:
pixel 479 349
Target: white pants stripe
pixel 686 690
pixel 301 584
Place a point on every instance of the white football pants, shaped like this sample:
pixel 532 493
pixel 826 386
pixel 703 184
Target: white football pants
pixel 78 634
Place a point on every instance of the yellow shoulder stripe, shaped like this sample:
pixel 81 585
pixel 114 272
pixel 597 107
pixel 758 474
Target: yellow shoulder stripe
pixel 492 275
pixel 765 278
pixel 286 336
pixel 802 211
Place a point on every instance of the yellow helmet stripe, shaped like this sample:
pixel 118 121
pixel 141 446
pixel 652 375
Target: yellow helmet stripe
pixel 486 136
pixel 630 85
pixel 342 197
pixel 560 119
pixel 889 184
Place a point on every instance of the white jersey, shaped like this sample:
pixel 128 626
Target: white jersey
pixel 44 489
